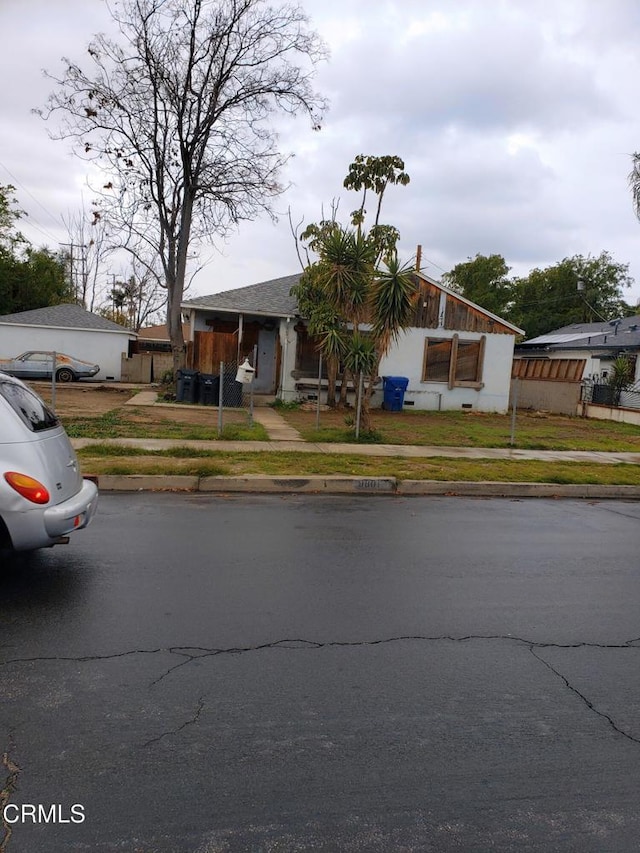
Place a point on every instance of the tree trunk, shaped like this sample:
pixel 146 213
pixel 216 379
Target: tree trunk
pixel 365 411
pixel 332 376
pixel 342 402
pixel 177 267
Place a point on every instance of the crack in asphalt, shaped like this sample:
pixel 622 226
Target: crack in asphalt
pixel 297 643
pixel 192 653
pixel 177 731
pixel 589 704
pixel 9 788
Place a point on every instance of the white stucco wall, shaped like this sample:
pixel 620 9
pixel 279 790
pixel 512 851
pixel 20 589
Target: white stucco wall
pixel 99 347
pixel 406 359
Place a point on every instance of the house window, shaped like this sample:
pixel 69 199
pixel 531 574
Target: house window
pixel 454 361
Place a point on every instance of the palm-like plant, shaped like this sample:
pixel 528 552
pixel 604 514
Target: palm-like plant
pixel 357 280
pixel 360 291
pixel 634 182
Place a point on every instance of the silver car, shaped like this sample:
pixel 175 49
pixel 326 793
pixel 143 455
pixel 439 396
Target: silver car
pixel 43 497
pixel 38 364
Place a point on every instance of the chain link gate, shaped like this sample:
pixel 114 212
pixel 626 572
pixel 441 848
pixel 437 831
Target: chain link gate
pixel 221 390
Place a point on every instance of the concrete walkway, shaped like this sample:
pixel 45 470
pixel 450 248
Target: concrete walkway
pixel 276 426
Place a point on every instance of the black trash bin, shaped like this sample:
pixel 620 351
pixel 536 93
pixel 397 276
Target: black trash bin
pixel 209 389
pixel 187 387
pixel 393 392
pixel 603 394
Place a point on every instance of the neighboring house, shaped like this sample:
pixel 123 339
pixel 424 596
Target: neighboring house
pixel 156 338
pixel 597 344
pixel 552 367
pixel 69 329
pixel 455 354
pixel 150 356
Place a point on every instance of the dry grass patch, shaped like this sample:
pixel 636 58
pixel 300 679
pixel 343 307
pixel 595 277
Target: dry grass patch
pixel 301 464
pixel 534 430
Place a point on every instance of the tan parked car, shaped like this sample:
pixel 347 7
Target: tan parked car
pixel 43 497
pixel 37 364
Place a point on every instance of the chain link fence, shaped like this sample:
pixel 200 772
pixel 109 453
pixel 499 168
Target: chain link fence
pixel 223 391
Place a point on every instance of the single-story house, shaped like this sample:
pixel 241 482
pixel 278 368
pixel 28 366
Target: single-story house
pixel 156 338
pixel 551 369
pixel 150 356
pixel 455 353
pixel 596 344
pixel 70 329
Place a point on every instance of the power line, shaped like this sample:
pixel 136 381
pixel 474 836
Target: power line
pixel 31 195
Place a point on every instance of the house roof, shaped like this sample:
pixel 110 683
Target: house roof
pixel 623 333
pixel 268 297
pixel 159 333
pixel 272 298
pixel 65 316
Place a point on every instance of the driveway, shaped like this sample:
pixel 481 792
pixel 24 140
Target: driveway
pixel 199 674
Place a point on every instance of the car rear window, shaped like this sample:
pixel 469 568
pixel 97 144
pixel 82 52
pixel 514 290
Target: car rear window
pixel 28 406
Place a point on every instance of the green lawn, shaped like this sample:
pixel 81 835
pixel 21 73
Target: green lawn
pixel 110 459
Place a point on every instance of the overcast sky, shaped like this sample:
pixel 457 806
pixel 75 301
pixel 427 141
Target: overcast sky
pixel 516 120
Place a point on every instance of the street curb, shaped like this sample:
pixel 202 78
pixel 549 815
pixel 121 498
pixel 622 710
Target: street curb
pixel 339 485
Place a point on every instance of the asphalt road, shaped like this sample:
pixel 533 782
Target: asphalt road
pixel 198 674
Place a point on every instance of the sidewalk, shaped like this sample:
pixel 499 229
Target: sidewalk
pixel 410 451
pixel 284 438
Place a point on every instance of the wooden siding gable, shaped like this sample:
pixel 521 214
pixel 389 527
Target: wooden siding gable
pixel 459 314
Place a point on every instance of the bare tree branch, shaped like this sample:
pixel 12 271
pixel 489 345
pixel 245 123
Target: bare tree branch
pixel 178 112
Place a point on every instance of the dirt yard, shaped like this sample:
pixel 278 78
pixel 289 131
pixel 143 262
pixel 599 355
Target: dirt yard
pixel 85 400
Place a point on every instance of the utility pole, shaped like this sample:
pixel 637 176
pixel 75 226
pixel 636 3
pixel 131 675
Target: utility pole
pixel 73 273
pixel 71 247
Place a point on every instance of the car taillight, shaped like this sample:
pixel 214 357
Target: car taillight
pixel 26 486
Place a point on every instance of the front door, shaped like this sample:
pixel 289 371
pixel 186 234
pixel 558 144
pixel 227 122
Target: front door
pixel 265 381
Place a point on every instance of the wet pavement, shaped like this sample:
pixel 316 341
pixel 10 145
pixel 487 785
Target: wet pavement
pixel 270 673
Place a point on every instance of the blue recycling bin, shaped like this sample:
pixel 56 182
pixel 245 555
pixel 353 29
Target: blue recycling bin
pixel 393 392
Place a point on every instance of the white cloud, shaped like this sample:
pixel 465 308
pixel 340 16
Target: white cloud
pixel 515 120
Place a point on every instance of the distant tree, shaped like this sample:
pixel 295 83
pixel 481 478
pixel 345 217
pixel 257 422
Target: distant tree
pixel 177 113
pixel 9 216
pixel 484 280
pixel 29 278
pixel 549 298
pixel 88 248
pixel 132 302
pixel 35 279
pixel 634 182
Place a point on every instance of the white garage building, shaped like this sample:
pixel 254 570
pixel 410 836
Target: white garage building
pixel 70 329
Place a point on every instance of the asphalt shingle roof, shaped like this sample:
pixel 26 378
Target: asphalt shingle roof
pixel 267 297
pixel 66 316
pixel 591 336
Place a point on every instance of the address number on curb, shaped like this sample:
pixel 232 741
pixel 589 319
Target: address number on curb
pixel 381 485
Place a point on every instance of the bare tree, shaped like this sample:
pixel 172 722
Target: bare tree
pixel 88 248
pixel 177 113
